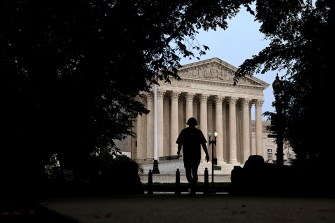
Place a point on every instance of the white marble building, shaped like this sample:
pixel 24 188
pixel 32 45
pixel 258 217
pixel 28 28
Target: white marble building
pixel 206 92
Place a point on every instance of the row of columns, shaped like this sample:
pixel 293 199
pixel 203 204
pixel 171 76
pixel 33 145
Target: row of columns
pixel 145 139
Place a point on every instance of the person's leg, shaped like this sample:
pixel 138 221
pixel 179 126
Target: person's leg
pixel 195 175
pixel 194 179
pixel 189 177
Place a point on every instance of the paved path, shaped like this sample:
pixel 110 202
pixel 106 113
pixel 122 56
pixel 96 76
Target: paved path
pixel 173 208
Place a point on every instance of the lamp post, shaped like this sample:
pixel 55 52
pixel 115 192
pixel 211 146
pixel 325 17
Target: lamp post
pixel 212 141
pixel 277 88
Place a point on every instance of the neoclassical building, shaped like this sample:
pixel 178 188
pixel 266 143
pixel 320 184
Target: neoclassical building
pixel 206 91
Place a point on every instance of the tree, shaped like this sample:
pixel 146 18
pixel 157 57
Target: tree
pixel 301 44
pixel 71 70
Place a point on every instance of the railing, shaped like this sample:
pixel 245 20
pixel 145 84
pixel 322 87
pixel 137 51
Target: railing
pixel 171 178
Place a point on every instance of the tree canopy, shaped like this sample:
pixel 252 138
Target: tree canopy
pixel 301 44
pixel 71 71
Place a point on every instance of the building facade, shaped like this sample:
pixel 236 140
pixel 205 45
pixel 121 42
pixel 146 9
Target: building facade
pixel 207 92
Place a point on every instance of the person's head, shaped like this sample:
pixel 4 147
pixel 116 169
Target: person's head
pixel 192 122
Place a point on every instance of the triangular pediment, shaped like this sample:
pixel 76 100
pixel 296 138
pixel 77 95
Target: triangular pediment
pixel 217 70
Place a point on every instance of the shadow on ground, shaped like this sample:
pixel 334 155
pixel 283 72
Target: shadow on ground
pixel 15 211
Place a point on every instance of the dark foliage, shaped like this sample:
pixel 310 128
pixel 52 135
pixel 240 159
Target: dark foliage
pixel 71 72
pixel 120 177
pixel 268 179
pixel 301 44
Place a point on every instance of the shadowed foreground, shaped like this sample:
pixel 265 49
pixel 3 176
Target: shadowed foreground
pixel 201 208
pixel 30 212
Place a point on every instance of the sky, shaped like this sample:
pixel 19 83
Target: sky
pixel 234 45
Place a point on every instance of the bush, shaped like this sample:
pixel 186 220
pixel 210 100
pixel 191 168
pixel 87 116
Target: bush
pixel 119 176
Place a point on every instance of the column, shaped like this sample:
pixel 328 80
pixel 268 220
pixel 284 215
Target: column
pixel 225 130
pixel 219 129
pixel 239 132
pixel 167 128
pixel 253 148
pixel 150 126
pixel 140 136
pixel 232 130
pixel 189 105
pixel 246 129
pixel 210 117
pixel 203 120
pixel 210 124
pixel 174 122
pixel 259 127
pixel 196 111
pixel 160 125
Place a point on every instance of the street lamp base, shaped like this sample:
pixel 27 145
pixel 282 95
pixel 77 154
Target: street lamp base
pixel 155 167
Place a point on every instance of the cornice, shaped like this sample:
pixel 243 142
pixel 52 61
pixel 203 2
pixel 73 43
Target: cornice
pixel 198 86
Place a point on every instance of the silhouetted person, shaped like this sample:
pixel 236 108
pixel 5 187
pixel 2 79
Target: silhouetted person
pixel 190 140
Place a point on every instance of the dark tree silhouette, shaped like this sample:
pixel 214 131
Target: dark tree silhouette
pixel 71 72
pixel 301 43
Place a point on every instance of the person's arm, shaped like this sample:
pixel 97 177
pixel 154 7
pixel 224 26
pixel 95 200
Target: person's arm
pixel 179 148
pixel 179 141
pixel 203 142
pixel 204 147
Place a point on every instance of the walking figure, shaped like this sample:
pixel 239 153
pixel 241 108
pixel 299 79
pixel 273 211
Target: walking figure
pixel 190 140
